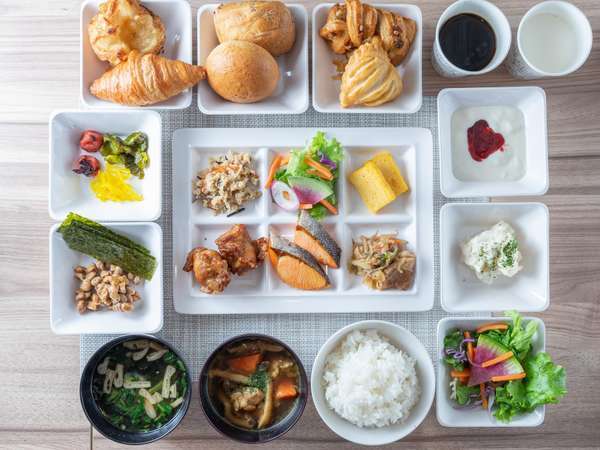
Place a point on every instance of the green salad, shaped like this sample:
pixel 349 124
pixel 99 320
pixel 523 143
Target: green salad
pixel 307 178
pixel 494 367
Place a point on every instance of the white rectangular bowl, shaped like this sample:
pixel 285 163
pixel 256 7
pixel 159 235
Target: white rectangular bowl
pixel 528 290
pixel 447 415
pixel 147 316
pixel 291 96
pixel 326 86
pixel 69 191
pixel 531 101
pixel 261 291
pixel 176 16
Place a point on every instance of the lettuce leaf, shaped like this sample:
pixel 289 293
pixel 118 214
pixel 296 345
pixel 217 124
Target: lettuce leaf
pixel 331 148
pixel 453 340
pixel 461 393
pixel 517 338
pixel 545 384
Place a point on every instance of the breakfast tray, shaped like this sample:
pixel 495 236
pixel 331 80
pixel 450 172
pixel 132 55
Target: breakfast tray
pixel 196 336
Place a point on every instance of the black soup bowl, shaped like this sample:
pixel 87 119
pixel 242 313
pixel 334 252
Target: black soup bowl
pixel 214 411
pixel 95 415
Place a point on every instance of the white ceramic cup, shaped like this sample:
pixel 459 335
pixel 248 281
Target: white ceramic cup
pixel 520 64
pixel 497 20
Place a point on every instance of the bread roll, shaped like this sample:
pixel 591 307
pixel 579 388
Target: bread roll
pixel 242 72
pixel 268 24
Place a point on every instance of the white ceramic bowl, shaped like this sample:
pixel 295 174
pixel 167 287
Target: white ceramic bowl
pixel 291 95
pixel 447 414
pixel 176 16
pixel 326 89
pixel 147 316
pixel 528 290
pixel 71 192
pixel 401 338
pixel 531 101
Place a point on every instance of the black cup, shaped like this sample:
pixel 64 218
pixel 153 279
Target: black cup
pixel 252 436
pixel 94 414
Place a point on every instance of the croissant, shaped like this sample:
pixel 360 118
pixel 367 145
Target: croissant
pixel 146 80
pixel 351 24
pixel 370 78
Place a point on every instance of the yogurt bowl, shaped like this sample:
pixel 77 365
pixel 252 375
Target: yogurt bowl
pixel 518 167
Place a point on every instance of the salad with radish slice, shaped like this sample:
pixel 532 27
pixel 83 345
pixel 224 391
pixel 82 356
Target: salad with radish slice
pixel 493 367
pixel 307 178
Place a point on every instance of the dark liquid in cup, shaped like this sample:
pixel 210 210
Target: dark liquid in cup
pixel 468 41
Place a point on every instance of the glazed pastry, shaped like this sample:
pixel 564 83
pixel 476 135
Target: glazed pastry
pixel 269 24
pixel 146 80
pixel 361 20
pixel 350 24
pixel 122 26
pixel 370 78
pixel 397 34
pixel 335 30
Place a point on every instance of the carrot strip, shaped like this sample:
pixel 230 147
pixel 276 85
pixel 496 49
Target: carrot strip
pixel 273 170
pixel 305 206
pixel 286 388
pixel 484 400
pixel 464 374
pixel 245 364
pixel 516 376
pixel 316 173
pixel 492 326
pixel 497 359
pixel 284 160
pixel 324 171
pixel 332 209
pixel 470 350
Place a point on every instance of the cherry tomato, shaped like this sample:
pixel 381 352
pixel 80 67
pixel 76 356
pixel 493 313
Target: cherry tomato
pixel 91 140
pixel 86 165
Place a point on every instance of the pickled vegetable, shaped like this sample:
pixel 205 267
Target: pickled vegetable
pixel 111 185
pixel 131 152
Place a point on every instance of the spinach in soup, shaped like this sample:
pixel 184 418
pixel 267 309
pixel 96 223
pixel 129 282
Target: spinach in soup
pixel 254 383
pixel 139 385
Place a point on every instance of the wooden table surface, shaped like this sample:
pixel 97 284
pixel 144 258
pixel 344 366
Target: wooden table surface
pixel 39 372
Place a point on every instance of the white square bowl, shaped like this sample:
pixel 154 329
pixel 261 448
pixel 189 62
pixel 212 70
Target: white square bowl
pixel 147 316
pixel 326 86
pixel 176 16
pixel 531 101
pixel 71 192
pixel 291 95
pixel 462 291
pixel 447 415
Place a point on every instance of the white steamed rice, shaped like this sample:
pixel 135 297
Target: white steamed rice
pixel 370 382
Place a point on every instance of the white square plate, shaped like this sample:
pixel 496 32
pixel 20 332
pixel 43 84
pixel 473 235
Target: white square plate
pixel 326 86
pixel 176 16
pixel 72 192
pixel 447 414
pixel 528 290
pixel 261 291
pixel 291 96
pixel 531 101
pixel 147 316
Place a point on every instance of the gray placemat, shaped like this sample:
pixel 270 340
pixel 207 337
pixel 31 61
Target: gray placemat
pixel 196 336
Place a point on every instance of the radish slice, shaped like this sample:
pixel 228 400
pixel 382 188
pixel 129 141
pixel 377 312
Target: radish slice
pixel 284 196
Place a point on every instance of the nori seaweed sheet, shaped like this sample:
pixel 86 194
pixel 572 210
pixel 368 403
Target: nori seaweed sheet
pixel 99 242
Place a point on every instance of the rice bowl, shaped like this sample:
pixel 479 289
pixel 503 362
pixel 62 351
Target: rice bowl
pixel 370 382
pixel 415 388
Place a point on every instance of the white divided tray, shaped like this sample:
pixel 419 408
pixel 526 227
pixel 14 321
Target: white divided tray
pixel 261 291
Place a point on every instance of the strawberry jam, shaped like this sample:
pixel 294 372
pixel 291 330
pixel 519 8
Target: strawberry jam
pixel 483 140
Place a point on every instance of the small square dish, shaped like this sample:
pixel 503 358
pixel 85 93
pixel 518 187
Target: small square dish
pixel 176 16
pixel 69 191
pixel 512 120
pixel 291 95
pixel 326 81
pixel 447 412
pixel 147 315
pixel 527 290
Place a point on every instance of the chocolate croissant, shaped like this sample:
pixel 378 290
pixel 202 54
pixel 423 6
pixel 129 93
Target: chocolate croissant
pixel 146 80
pixel 351 24
pixel 370 78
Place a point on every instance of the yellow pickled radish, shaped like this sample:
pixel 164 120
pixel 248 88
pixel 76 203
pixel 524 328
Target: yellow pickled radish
pixel 111 185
